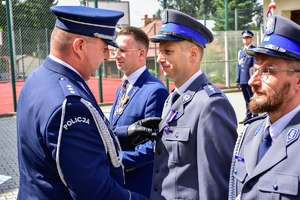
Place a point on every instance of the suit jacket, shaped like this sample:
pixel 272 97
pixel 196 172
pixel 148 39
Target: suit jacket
pixel 61 151
pixel 193 151
pixel 277 174
pixel 245 62
pixel 146 99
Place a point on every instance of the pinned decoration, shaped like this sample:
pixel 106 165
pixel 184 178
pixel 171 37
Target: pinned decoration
pixel 292 134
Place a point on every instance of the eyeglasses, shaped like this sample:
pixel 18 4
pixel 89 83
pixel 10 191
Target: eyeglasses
pixel 121 50
pixel 264 71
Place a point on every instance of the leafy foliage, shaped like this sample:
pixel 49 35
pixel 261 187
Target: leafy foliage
pixel 247 12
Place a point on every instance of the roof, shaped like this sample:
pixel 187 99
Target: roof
pixel 149 30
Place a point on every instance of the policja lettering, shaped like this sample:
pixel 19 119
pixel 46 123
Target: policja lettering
pixel 76 120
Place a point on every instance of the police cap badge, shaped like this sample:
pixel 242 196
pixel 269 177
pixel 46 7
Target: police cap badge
pixel 281 40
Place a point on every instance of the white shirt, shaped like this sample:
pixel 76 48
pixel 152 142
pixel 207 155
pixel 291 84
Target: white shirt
pixel 247 47
pixel 188 82
pixel 132 78
pixel 277 127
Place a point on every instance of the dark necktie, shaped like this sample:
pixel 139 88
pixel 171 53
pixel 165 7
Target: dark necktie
pixel 175 96
pixel 265 144
pixel 121 97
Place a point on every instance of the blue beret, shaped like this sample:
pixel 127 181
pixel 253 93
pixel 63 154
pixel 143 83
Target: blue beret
pixel 247 33
pixel 93 22
pixel 282 39
pixel 177 26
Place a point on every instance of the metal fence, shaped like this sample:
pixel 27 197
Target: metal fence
pixel 31 45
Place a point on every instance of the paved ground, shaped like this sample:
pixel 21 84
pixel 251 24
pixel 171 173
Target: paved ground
pixel 8 145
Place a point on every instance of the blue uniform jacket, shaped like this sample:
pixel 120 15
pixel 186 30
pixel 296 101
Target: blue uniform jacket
pixel 195 144
pixel 245 62
pixel 57 132
pixel 276 175
pixel 146 99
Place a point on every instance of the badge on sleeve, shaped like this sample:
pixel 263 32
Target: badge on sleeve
pixel 75 120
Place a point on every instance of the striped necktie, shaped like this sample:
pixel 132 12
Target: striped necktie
pixel 119 105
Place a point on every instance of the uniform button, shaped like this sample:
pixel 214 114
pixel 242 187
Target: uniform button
pixel 275 187
pixel 62 79
pixel 176 135
pixel 157 170
pixel 235 171
pixel 159 151
pixel 249 185
pixel 155 188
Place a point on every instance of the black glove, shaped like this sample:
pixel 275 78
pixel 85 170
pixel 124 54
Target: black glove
pixel 238 85
pixel 142 131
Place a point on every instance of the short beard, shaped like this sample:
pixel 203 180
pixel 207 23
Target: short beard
pixel 273 102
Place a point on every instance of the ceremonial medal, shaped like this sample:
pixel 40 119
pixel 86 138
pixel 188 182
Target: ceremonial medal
pixel 126 99
pixel 171 116
pixel 120 110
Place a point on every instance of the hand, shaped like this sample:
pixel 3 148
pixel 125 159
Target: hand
pixel 238 85
pixel 142 130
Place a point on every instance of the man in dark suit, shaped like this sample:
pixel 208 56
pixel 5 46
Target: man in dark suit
pixel 66 148
pixel 266 156
pixel 242 75
pixel 198 129
pixel 144 97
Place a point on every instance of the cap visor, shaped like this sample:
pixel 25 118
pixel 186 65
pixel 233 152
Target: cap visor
pixel 111 43
pixel 158 38
pixel 253 52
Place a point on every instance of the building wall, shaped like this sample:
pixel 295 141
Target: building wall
pixel 283 7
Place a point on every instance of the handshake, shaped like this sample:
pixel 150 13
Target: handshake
pixel 142 131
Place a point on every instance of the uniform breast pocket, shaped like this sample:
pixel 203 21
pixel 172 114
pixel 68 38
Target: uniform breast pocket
pixel 276 185
pixel 240 171
pixel 180 148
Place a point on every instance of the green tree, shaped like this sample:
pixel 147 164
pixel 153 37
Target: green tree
pixel 190 7
pixel 246 11
pixel 33 13
pixel 83 2
pixel 3 18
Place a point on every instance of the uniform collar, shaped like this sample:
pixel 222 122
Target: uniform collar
pixel 277 127
pixel 183 88
pixel 64 64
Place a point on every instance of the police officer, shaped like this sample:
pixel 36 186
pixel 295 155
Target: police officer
pixel 198 129
pixel 266 156
pixel 242 75
pixel 66 148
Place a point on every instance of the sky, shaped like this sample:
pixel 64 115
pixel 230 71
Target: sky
pixel 137 8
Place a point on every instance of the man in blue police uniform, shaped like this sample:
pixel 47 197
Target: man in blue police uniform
pixel 266 156
pixel 66 149
pixel 144 97
pixel 242 75
pixel 198 128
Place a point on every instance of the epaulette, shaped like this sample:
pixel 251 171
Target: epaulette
pixel 211 89
pixel 249 121
pixel 68 88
